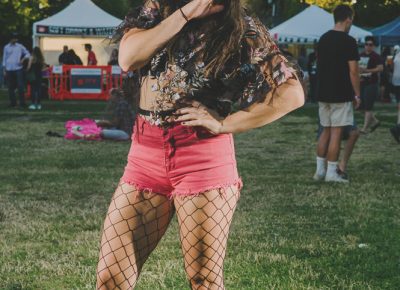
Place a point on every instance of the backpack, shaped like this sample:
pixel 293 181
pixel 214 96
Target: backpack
pixel 86 129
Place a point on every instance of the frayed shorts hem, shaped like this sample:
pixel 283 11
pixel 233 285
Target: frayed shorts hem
pixel 221 187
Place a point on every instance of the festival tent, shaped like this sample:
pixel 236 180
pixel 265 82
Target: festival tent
pixel 309 25
pixel 79 23
pixel 388 34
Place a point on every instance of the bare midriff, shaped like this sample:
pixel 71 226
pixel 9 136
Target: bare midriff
pixel 148 96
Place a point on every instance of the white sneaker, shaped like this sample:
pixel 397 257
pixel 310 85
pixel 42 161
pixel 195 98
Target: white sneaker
pixel 32 107
pixel 318 176
pixel 39 107
pixel 335 178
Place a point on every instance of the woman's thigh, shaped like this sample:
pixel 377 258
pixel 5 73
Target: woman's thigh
pixel 134 224
pixel 204 222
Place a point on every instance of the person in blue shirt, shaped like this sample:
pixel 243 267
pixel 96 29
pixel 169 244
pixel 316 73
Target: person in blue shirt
pixel 13 56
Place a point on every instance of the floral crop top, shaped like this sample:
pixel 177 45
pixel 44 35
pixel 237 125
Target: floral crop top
pixel 259 69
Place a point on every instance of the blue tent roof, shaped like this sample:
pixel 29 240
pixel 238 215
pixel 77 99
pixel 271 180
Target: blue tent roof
pixel 389 34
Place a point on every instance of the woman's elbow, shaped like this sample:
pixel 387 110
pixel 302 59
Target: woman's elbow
pixel 125 62
pixel 127 56
pixel 296 97
pixel 124 67
pixel 299 98
pixel 131 61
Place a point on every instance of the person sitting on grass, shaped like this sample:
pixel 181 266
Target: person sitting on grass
pixel 118 121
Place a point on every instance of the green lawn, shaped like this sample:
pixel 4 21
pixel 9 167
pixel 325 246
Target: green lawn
pixel 289 232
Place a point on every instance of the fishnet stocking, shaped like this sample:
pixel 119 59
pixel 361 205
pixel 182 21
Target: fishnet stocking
pixel 135 223
pixel 204 222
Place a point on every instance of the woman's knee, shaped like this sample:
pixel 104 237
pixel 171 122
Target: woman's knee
pixel 205 278
pixel 105 280
pixel 112 278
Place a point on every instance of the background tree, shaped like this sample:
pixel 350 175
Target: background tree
pixel 329 4
pixel 373 13
pixel 369 13
pixel 18 16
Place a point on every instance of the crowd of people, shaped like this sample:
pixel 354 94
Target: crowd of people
pixel 69 57
pixel 379 78
pixel 20 68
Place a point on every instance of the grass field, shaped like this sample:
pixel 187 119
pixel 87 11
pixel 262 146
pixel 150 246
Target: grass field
pixel 289 232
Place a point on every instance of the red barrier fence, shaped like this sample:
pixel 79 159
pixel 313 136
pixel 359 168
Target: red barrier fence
pixel 74 82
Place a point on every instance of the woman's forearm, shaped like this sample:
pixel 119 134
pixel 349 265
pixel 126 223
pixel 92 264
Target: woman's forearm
pixel 288 97
pixel 138 46
pixel 377 69
pixel 29 64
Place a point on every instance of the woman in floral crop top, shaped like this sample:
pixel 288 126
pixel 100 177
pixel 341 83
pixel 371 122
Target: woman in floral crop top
pixel 206 70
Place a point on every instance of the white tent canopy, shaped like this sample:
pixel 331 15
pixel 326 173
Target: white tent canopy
pixel 309 25
pixel 80 22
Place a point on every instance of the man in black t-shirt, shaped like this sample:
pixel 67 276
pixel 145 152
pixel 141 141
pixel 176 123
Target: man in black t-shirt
pixel 338 86
pixel 370 65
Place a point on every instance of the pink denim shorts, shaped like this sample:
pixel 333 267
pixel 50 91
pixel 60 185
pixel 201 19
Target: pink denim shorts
pixel 180 160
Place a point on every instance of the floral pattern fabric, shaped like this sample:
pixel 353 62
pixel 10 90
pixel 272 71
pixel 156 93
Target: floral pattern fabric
pixel 260 70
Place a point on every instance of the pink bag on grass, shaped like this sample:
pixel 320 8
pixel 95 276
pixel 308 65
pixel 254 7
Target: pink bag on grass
pixel 82 129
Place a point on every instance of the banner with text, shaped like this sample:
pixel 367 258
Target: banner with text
pixel 61 30
pixel 86 80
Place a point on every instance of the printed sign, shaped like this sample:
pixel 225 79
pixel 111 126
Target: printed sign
pixel 116 70
pixel 363 63
pixel 86 80
pixel 57 69
pixel 61 30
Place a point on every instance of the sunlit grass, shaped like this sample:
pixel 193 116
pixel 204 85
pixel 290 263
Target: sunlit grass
pixel 289 232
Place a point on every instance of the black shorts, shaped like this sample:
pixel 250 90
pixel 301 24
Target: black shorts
pixel 369 93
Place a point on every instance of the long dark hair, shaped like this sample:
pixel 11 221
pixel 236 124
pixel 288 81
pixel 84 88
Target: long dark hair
pixel 223 31
pixel 37 55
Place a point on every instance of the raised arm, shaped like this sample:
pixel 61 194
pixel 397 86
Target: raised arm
pixel 139 45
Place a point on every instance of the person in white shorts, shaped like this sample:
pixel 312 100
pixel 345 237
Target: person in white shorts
pixel 337 88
